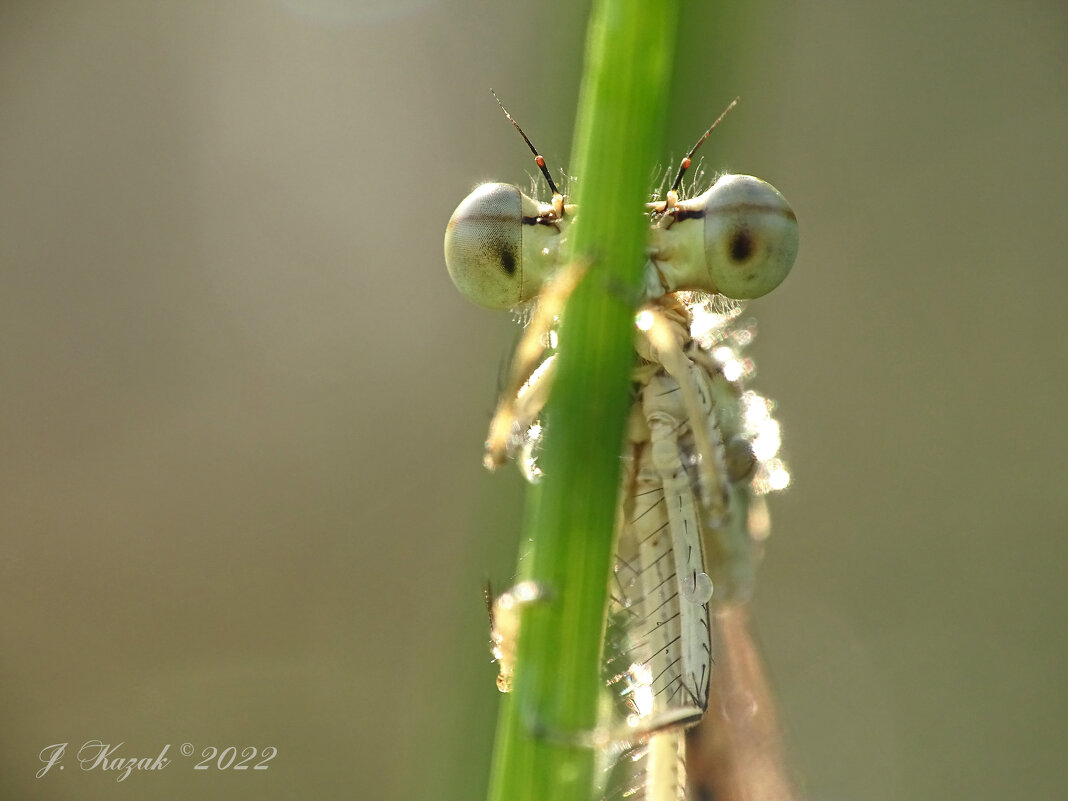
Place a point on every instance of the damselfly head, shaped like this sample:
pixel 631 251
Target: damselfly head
pixel 738 239
pixel 501 246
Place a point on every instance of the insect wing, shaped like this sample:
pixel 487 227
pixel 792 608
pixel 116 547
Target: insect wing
pixel 658 650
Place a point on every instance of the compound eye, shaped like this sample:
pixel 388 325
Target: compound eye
pixel 750 236
pixel 484 246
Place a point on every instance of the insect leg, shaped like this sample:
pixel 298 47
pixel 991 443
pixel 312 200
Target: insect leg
pixel 664 338
pixel 525 361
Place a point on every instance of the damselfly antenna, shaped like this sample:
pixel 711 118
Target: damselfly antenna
pixel 537 156
pixel 688 158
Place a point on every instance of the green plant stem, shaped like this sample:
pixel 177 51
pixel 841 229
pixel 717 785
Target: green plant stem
pixel 571 516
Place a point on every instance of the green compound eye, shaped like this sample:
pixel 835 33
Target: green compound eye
pixel 500 246
pixel 738 239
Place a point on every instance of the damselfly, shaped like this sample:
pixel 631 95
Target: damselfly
pixel 701 449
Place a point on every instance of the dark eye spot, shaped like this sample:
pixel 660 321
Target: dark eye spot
pixel 742 245
pixel 501 251
pixel 507 260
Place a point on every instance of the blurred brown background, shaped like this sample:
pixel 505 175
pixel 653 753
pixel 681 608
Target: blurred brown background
pixel 241 499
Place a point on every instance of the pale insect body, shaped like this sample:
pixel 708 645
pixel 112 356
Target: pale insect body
pixel 686 457
pixel 652 696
